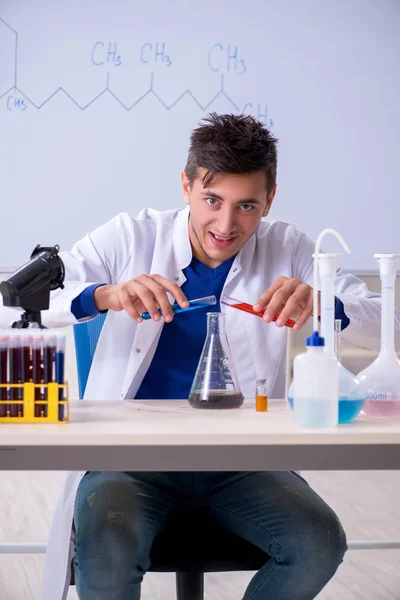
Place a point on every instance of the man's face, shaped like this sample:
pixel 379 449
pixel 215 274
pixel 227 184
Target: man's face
pixel 224 215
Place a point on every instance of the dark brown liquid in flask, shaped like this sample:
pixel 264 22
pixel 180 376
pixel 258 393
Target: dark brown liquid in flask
pixel 216 399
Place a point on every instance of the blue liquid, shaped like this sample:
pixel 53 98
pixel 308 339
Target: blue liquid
pixel 348 409
pixel 176 309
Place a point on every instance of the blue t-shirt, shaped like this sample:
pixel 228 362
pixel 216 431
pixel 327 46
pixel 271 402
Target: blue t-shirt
pixel 174 364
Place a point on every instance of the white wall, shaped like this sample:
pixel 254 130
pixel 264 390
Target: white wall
pixel 81 142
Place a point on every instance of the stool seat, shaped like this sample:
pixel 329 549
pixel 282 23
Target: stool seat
pixel 193 541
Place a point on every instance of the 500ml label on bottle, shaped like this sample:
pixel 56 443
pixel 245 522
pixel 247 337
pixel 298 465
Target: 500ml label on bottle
pixel 372 395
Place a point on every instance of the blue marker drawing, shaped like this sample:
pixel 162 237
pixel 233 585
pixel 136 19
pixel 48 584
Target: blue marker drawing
pixel 217 57
pixel 98 51
pixel 148 55
pixel 221 59
pixel 15 103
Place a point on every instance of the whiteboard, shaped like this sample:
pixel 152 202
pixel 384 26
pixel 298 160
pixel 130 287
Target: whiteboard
pixel 98 100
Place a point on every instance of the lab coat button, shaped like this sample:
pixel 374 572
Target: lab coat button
pixel 138 350
pixel 177 278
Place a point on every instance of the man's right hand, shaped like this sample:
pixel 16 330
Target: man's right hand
pixel 143 293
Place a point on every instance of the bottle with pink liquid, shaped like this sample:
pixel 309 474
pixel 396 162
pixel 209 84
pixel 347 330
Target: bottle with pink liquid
pixel 381 380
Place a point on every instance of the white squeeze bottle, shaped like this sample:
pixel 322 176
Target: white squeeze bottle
pixel 316 386
pixel 316 372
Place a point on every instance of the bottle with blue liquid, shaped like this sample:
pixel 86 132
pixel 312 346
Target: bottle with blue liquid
pixel 351 396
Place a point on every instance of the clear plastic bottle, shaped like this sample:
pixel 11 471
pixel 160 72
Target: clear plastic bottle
pixel 215 384
pixel 315 386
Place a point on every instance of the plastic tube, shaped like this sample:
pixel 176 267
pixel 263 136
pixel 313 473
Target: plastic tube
pixel 316 256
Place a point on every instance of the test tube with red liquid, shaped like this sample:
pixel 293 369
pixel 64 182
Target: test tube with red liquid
pixel 14 372
pixel 49 356
pixel 229 301
pixel 26 362
pixel 37 376
pixel 3 370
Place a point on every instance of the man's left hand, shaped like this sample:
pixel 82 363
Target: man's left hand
pixel 288 298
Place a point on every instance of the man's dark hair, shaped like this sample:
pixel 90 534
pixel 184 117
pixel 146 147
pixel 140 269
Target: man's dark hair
pixel 232 144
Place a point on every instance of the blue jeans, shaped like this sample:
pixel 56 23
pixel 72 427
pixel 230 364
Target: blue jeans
pixel 117 516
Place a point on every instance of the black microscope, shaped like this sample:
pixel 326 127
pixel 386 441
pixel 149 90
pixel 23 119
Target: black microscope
pixel 30 286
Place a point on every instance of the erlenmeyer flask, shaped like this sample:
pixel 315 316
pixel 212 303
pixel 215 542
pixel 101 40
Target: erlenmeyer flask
pixel 351 397
pixel 381 380
pixel 215 383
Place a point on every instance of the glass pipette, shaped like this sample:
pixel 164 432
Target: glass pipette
pixel 193 304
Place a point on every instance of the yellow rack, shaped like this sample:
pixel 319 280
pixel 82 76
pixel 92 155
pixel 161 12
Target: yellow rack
pixel 28 402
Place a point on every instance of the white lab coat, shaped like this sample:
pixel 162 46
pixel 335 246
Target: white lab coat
pixel 158 242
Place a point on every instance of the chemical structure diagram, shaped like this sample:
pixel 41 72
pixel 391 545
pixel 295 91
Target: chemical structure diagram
pixel 221 59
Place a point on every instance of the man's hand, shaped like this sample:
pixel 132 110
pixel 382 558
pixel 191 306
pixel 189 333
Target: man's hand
pixel 290 299
pixel 143 293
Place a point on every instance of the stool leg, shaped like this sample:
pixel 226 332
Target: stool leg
pixel 190 586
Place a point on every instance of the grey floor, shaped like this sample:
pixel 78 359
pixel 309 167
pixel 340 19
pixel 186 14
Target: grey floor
pixel 368 503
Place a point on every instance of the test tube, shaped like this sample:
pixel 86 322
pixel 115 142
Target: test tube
pixel 3 371
pixel 14 372
pixel 193 304
pixel 26 363
pixel 60 364
pixel 37 369
pixel 249 309
pixel 49 355
pixel 261 395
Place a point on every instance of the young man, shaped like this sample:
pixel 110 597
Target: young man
pixel 218 244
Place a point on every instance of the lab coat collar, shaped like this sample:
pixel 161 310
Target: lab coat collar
pixel 181 241
pixel 243 258
pixel 245 254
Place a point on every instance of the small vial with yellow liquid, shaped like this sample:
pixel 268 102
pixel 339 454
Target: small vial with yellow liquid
pixel 261 395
